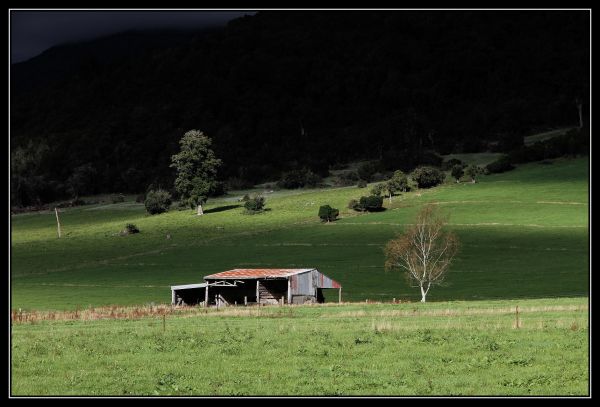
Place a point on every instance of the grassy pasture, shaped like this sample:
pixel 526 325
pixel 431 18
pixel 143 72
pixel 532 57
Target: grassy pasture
pixel 524 235
pixel 442 348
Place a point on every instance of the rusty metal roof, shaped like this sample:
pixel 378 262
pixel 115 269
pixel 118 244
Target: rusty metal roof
pixel 257 273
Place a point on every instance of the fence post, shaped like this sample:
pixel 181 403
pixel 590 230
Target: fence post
pixel 57 222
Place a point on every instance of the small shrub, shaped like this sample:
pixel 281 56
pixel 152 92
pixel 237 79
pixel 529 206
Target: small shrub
pixel 327 213
pixel 372 203
pixel 255 205
pixel 457 172
pixel 131 229
pixel 246 198
pixel 158 201
pixel 427 177
pixel 117 198
pixel 472 171
pixel 362 183
pixel 503 164
pixel 353 204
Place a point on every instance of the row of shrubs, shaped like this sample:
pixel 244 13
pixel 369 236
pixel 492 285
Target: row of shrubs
pixel 160 201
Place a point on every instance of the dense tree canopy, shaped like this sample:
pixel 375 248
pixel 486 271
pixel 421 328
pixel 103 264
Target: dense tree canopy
pixel 280 91
pixel 196 167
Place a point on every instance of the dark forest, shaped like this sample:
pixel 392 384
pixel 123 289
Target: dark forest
pixel 279 91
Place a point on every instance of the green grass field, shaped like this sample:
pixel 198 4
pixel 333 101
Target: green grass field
pixel 524 234
pixel 524 238
pixel 443 348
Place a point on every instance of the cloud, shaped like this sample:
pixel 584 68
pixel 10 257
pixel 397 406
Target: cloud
pixel 32 32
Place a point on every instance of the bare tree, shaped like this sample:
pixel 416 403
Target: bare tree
pixel 424 251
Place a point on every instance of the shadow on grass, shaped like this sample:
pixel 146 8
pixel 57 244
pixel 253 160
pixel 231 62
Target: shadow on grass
pixel 222 208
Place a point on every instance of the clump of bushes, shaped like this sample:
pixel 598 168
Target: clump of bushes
pixel 362 183
pixel 502 164
pixel 255 205
pixel 328 214
pixel 428 177
pixel 131 229
pixel 372 203
pixel 158 201
pixel 472 171
pixel 457 172
pixel 298 179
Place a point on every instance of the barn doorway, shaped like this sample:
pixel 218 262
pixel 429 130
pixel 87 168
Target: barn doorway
pixel 190 294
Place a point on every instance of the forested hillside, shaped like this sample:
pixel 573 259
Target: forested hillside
pixel 280 90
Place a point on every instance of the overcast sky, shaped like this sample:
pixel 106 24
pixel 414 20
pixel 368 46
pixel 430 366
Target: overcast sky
pixel 33 32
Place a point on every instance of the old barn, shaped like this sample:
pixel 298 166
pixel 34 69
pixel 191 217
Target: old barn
pixel 257 286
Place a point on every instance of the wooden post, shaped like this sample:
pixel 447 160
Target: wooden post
pixel 57 222
pixel 394 300
pixel 172 297
pixel 517 316
pixel 164 322
pixel 257 293
pixel 206 296
pixel 340 295
pixel 289 291
pixel 245 300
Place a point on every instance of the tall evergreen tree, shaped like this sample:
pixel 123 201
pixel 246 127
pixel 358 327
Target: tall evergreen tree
pixel 196 166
